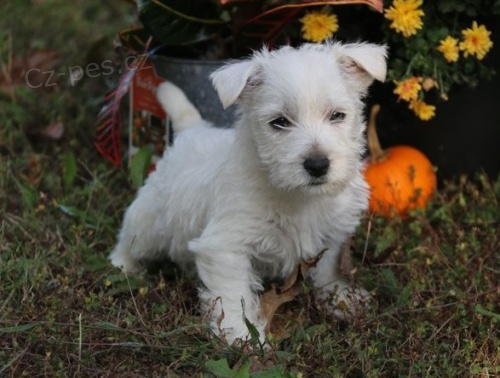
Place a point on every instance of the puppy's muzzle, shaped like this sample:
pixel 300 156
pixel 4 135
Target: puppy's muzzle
pixel 317 166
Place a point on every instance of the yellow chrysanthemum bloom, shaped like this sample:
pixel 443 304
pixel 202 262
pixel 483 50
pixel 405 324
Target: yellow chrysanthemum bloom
pixel 318 26
pixel 408 89
pixel 449 48
pixel 406 16
pixel 423 111
pixel 476 41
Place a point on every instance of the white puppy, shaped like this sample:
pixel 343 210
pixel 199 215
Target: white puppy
pixel 246 204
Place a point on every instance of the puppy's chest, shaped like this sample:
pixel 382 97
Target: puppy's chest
pixel 284 242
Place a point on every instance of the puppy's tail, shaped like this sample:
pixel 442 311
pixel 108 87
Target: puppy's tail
pixel 181 111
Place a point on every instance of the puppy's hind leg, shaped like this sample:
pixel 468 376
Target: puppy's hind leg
pixel 142 236
pixel 180 110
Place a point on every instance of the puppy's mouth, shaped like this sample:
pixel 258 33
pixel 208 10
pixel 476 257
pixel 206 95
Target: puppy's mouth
pixel 317 182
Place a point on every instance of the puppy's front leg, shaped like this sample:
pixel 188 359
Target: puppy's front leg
pixel 230 289
pixel 342 299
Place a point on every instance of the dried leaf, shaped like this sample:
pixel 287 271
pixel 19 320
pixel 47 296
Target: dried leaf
pixel 305 265
pixel 34 68
pixel 346 265
pixel 278 295
pixel 258 364
pixel 33 172
pixel 272 299
pixel 44 60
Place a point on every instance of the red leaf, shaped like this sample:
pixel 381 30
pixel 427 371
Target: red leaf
pixel 107 139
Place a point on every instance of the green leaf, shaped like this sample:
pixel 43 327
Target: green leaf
pixel 274 372
pixel 21 328
pixel 28 194
pixel 180 22
pixel 129 284
pixel 496 7
pixel 483 311
pixel 404 297
pixel 243 371
pixel 69 169
pixel 139 166
pixel 96 262
pixel 388 238
pixel 254 333
pixel 114 278
pixel 73 212
pixel 107 326
pixel 219 368
pixel 390 284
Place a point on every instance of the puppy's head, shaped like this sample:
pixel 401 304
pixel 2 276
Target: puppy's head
pixel 303 108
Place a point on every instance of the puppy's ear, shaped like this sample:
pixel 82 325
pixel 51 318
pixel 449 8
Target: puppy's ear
pixel 363 63
pixel 230 80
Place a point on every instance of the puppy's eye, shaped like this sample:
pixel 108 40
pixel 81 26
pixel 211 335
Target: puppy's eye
pixel 337 117
pixel 280 123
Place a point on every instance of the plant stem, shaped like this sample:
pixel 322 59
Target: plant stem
pixel 376 151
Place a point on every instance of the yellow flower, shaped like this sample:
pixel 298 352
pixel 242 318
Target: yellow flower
pixel 449 48
pixel 476 41
pixel 318 26
pixel 405 16
pixel 408 89
pixel 423 111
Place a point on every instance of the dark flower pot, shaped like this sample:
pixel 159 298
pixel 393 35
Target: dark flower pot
pixel 192 76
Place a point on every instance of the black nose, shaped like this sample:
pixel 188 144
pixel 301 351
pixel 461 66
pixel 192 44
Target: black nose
pixel 317 166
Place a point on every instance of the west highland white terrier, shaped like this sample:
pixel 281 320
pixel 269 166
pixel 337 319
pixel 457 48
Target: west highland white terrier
pixel 243 205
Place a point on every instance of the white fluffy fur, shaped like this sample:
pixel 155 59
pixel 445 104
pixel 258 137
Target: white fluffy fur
pixel 238 205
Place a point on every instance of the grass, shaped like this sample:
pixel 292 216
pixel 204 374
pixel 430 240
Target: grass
pixel 64 311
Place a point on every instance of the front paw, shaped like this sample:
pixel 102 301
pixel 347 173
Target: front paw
pixel 237 334
pixel 344 301
pixel 230 321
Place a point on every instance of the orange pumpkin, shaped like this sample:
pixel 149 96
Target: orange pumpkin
pixel 401 178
